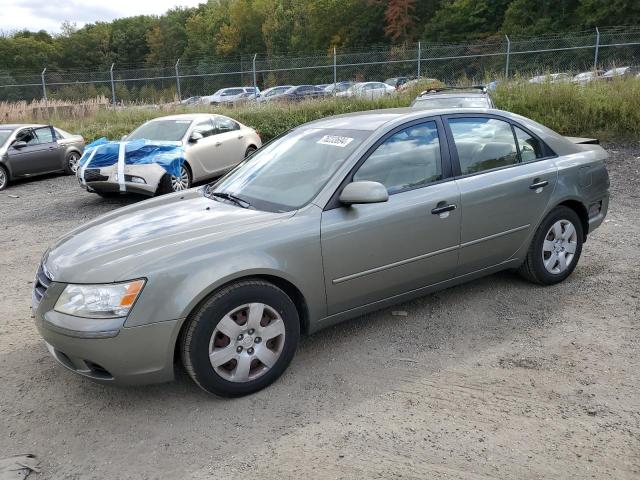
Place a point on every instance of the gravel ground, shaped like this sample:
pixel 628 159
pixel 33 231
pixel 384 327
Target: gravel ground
pixel 494 379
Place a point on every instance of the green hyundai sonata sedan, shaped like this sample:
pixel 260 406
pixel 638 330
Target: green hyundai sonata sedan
pixel 336 218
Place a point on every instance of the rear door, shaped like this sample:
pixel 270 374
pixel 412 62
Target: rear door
pixel 203 155
pixel 506 176
pixel 231 140
pixel 376 251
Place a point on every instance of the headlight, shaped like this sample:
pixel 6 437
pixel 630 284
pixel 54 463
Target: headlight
pixel 99 301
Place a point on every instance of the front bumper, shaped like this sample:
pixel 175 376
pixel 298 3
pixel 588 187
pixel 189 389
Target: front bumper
pixel 105 179
pixel 106 350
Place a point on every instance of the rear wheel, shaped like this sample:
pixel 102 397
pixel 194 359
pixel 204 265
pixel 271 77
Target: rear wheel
pixel 250 151
pixel 241 339
pixel 4 178
pixel 71 163
pixel 555 249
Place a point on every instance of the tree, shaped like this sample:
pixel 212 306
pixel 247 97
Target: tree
pixel 400 20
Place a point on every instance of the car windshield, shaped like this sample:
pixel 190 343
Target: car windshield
pixel 451 102
pixel 161 130
pixel 289 172
pixel 4 135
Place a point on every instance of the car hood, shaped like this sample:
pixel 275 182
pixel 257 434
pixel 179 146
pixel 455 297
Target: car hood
pixel 128 242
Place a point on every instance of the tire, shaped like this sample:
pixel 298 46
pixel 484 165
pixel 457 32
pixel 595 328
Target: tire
pixel 71 163
pixel 4 178
pixel 169 183
pixel 250 150
pixel 211 329
pixel 560 235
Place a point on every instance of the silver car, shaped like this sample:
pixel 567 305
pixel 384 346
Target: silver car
pixel 338 217
pixel 213 145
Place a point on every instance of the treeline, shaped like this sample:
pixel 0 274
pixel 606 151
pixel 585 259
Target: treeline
pixel 225 29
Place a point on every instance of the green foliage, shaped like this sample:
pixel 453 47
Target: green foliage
pixel 225 29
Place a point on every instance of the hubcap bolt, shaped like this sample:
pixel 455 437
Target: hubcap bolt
pixel 250 351
pixel 239 349
pixel 251 330
pixel 258 340
pixel 240 337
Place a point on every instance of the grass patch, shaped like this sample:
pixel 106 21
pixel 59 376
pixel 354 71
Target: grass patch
pixel 606 110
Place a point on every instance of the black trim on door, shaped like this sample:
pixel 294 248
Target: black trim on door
pixel 446 164
pixel 453 152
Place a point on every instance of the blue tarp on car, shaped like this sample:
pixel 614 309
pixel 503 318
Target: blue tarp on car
pixel 169 155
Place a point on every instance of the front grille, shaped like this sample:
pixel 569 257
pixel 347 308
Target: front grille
pixel 93 175
pixel 41 283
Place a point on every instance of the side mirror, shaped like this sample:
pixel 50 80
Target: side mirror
pixel 364 192
pixel 19 144
pixel 195 136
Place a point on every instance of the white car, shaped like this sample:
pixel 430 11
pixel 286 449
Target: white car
pixel 213 145
pixel 227 95
pixel 583 78
pixel 369 90
pixel 551 78
pixel 269 93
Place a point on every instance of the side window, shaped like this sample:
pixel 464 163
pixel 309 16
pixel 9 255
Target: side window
pixel 45 135
pixel 226 125
pixel 28 136
pixel 206 128
pixel 483 144
pixel 530 148
pixel 409 158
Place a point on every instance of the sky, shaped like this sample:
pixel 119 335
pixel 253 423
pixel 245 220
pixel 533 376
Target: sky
pixel 49 14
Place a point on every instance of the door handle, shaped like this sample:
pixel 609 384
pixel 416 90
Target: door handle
pixel 240 137
pixel 537 183
pixel 217 144
pixel 443 208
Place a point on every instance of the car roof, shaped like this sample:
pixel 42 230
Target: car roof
pixel 184 116
pixel 14 126
pixel 451 94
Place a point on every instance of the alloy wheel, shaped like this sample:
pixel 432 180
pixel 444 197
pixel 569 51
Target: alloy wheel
pixel 247 342
pixel 559 247
pixel 73 160
pixel 3 178
pixel 182 182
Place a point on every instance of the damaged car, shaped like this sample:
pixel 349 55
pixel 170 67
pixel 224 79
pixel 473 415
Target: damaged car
pixel 167 154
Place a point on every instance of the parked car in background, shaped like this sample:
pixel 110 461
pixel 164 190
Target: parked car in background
pixel 322 86
pixel 213 145
pixel 269 93
pixel 413 82
pixel 368 90
pixel 338 87
pixel 227 95
pixel 27 150
pixel 620 72
pixel 453 97
pixel 191 101
pixel 397 82
pixel 299 93
pixel 551 78
pixel 586 77
pixel 335 219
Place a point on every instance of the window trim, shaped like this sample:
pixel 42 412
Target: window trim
pixel 447 173
pixel 453 151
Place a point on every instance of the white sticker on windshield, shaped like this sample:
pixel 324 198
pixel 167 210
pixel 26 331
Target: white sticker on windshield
pixel 335 140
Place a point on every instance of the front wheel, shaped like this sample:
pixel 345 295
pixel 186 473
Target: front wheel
pixel 170 183
pixel 241 339
pixel 555 249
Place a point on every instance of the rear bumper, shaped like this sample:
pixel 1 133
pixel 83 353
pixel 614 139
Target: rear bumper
pixel 600 209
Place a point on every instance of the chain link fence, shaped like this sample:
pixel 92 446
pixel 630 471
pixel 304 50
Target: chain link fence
pixel 498 57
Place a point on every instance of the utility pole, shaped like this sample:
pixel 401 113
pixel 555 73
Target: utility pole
pixel 506 66
pixel 178 81
pixel 113 86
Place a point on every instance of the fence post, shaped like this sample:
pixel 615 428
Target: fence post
pixel 335 71
pixel 113 86
pixel 255 83
pixel 419 57
pixel 595 59
pixel 506 66
pixel 178 81
pixel 44 85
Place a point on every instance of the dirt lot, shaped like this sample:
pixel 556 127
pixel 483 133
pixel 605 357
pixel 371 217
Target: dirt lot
pixel 494 379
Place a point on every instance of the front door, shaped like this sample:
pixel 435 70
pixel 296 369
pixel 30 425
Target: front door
pixel 506 178
pixel 376 251
pixel 41 153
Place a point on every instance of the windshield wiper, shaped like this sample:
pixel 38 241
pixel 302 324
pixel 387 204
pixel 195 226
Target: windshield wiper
pixel 232 198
